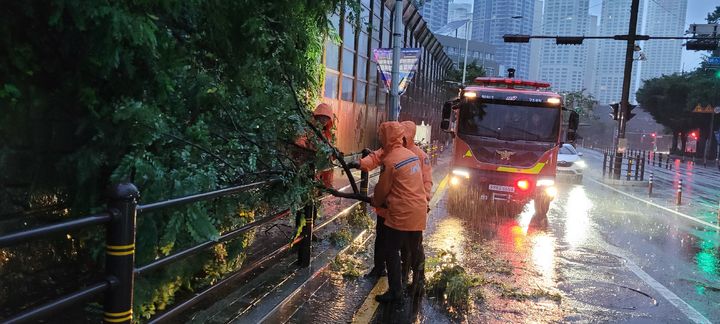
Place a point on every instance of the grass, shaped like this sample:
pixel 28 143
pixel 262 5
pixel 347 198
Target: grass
pixel 358 218
pixel 450 283
pixel 341 238
pixel 346 265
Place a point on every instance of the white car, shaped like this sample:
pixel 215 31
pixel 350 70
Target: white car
pixel 570 163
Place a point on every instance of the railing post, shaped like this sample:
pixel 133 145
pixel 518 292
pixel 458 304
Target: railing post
pixel 364 184
pixel 638 163
pixel 679 193
pixel 642 169
pixel 650 185
pixel 629 168
pixel 604 162
pixel 120 253
pixel 305 245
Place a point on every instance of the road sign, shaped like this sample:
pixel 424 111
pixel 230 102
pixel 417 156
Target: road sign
pixel 705 110
pixel 715 60
pixel 408 63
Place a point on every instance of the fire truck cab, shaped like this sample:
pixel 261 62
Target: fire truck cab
pixel 506 137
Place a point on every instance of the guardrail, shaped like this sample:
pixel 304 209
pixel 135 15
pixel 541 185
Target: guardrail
pixel 120 269
pixel 632 166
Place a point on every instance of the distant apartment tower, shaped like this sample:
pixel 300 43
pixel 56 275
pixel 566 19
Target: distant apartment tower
pixel 664 18
pixel 592 48
pixel 563 66
pixel 491 20
pixel 459 11
pixel 614 20
pixel 435 13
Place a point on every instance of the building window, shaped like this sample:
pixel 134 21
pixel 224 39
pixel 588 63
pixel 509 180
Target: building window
pixel 347 88
pixel 348 62
pixel 332 59
pixel 360 88
pixel 331 84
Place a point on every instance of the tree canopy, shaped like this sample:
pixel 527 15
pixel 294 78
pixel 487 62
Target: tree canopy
pixel 176 97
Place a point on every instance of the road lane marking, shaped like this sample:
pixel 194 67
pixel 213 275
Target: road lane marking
pixel 676 301
pixel 366 311
pixel 658 206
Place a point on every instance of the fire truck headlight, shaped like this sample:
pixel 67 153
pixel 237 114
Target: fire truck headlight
pixel 454 181
pixel 545 182
pixel 551 191
pixel 553 101
pixel 461 173
pixel 581 164
pixel 470 94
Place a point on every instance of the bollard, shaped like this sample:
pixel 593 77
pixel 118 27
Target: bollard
pixel 642 170
pixel 364 183
pixel 650 185
pixel 120 253
pixel 604 162
pixel 679 193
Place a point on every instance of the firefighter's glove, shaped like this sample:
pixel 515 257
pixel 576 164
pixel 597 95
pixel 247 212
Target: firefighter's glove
pixel 354 165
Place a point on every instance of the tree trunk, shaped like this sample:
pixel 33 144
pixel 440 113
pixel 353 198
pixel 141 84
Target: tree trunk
pixel 674 147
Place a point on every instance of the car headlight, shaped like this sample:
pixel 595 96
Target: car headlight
pixel 461 173
pixel 581 164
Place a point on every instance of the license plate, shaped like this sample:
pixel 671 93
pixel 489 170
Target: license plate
pixel 501 188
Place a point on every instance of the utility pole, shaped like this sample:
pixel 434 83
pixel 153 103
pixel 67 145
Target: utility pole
pixel 625 98
pixel 395 84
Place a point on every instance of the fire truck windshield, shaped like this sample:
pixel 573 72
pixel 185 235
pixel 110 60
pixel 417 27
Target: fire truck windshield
pixel 509 122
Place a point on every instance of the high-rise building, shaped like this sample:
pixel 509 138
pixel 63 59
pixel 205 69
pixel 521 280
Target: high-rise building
pixel 664 18
pixel 592 47
pixel 492 19
pixel 435 13
pixel 563 66
pixel 536 44
pixel 614 20
pixel 459 11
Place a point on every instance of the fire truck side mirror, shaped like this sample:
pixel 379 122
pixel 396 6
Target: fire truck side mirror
pixel 445 125
pixel 447 110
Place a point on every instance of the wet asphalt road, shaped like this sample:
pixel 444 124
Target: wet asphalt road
pixel 612 257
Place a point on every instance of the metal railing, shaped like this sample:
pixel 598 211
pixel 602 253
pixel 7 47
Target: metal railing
pixel 120 268
pixel 632 166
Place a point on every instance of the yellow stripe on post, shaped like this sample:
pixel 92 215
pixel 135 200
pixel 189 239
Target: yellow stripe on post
pixel 119 253
pixel 119 314
pixel 118 320
pixel 119 247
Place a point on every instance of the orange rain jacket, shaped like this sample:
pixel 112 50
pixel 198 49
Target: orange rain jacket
pixel 400 188
pixel 323 109
pixel 372 161
pixel 409 131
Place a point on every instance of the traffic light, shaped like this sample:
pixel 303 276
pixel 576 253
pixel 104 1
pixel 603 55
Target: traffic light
pixel 653 135
pixel 702 45
pixel 693 134
pixel 615 111
pixel 516 38
pixel 630 115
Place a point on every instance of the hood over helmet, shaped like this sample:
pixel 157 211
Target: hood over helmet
pixel 409 129
pixel 391 135
pixel 324 109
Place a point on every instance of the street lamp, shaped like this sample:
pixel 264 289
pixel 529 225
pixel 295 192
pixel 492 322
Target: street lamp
pixel 467 39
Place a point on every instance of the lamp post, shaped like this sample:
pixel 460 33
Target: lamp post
pixel 468 25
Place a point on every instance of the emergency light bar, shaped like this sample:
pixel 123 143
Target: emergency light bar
pixel 511 83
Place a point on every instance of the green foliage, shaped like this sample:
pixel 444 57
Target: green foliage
pixel 341 237
pixel 580 102
pixel 473 71
pixel 450 283
pixel 359 218
pixel 347 265
pixel 176 97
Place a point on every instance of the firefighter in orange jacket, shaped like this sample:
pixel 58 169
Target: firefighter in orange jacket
pixel 323 116
pixel 372 161
pixel 401 191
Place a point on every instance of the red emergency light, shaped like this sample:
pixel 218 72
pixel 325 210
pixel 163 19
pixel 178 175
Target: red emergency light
pixel 523 184
pixel 653 135
pixel 693 135
pixel 510 83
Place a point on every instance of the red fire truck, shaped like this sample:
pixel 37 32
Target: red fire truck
pixel 506 136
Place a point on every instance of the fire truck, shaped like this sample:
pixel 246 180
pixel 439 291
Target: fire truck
pixel 506 136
